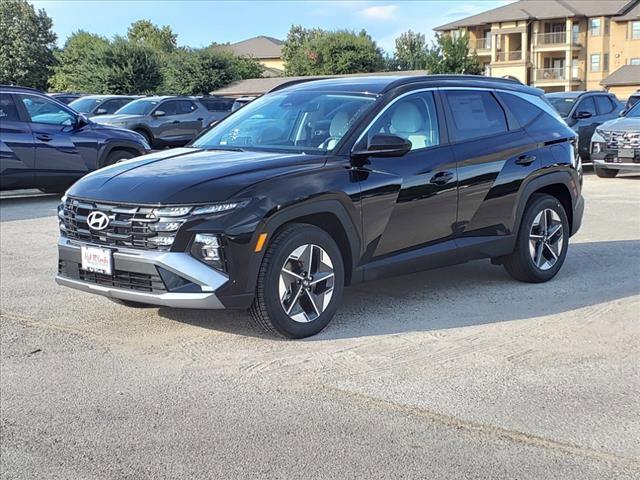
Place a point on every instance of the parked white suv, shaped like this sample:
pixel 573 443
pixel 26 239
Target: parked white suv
pixel 615 145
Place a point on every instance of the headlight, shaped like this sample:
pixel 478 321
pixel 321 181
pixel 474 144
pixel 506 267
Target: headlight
pixel 207 248
pixel 216 208
pixel 597 147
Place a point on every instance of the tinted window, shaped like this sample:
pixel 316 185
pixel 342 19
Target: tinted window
pixel 185 106
pixel 603 104
pixel 587 105
pixel 8 110
pixel 111 106
pixel 85 105
pixel 43 110
pixel 475 114
pixel 524 111
pixel 217 105
pixel 169 108
pixel 412 118
pixel 138 107
pixel 562 104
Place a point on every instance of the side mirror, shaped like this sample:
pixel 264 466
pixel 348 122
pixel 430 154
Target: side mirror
pixel 623 113
pixel 385 146
pixel 101 111
pixel 81 121
pixel 582 114
pixel 159 113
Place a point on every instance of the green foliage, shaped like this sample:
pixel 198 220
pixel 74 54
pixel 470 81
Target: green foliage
pixel 319 52
pixel 131 68
pixel 160 39
pixel 200 71
pixel 410 52
pixel 80 64
pixel 451 55
pixel 26 44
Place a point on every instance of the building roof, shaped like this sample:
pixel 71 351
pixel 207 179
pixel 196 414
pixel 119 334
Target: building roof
pixel 625 75
pixel 257 47
pixel 632 13
pixel 543 9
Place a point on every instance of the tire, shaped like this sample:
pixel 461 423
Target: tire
pixel 533 258
pixel 147 136
pixel 606 172
pixel 117 156
pixel 276 290
pixel 130 304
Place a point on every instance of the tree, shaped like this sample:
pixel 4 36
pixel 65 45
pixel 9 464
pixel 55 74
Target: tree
pixel 81 64
pixel 131 68
pixel 198 72
pixel 410 53
pixel 318 52
pixel 26 44
pixel 451 55
pixel 161 39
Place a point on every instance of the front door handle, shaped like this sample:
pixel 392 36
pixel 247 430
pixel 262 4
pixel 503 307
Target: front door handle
pixel 44 137
pixel 441 178
pixel 526 160
pixel 199 119
pixel 176 121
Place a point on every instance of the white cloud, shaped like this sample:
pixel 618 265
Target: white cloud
pixel 380 12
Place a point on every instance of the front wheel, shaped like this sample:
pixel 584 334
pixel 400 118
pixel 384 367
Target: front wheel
pixel 542 241
pixel 300 282
pixel 606 172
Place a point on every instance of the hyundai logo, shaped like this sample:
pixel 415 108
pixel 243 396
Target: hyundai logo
pixel 97 220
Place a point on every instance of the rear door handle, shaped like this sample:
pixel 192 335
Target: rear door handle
pixel 441 178
pixel 199 119
pixel 176 121
pixel 44 137
pixel 526 160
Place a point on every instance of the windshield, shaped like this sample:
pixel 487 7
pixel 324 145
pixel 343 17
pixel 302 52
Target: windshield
pixel 138 107
pixel 634 112
pixel 299 121
pixel 562 104
pixel 85 105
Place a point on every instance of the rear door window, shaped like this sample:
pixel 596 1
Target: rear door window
pixel 603 104
pixel 475 114
pixel 186 106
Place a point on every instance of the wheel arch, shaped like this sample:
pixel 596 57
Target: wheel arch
pixel 118 145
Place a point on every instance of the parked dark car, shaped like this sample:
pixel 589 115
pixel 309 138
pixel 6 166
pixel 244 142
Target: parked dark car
pixel 327 183
pixel 220 107
pixel 583 112
pixel 163 121
pixel 44 144
pixel 241 102
pixel 94 105
pixel 66 98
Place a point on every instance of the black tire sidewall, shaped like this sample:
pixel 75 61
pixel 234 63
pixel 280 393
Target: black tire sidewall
pixel 277 316
pixel 606 172
pixel 542 203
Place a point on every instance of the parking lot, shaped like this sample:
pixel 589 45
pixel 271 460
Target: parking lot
pixel 453 373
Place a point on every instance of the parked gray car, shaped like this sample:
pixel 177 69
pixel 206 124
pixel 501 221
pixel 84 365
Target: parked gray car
pixel 94 105
pixel 163 121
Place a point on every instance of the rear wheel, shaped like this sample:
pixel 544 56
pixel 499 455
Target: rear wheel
pixel 118 156
pixel 300 282
pixel 605 172
pixel 542 241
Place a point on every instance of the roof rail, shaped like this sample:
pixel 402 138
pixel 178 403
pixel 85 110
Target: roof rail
pixel 18 87
pixel 296 82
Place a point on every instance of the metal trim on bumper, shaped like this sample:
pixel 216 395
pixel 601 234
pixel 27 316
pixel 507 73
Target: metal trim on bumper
pixel 181 264
pixel 616 165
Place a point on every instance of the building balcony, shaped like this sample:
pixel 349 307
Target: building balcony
pixel 557 75
pixel 513 56
pixel 555 39
pixel 482 45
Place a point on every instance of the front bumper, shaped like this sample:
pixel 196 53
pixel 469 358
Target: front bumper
pixel 169 279
pixel 609 159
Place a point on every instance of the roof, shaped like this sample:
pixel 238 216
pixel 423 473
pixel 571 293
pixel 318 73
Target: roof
pixel 543 9
pixel 625 75
pixel 631 14
pixel 257 47
pixel 260 86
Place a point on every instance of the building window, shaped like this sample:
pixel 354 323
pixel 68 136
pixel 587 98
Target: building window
pixel 595 62
pixel 605 62
pixel 634 61
pixel 594 27
pixel 635 30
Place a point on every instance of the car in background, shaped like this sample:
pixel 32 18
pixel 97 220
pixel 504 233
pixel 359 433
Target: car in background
pixel 164 121
pixel 615 145
pixel 66 98
pixel 631 101
pixel 241 102
pixel 45 144
pixel 583 112
pixel 94 105
pixel 220 107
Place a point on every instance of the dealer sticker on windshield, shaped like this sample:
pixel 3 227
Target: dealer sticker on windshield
pixel 97 260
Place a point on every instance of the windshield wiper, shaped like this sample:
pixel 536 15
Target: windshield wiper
pixel 229 149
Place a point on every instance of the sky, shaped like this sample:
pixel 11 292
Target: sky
pixel 201 22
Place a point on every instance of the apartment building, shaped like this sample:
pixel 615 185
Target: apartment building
pixel 556 45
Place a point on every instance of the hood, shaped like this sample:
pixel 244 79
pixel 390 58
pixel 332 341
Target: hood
pixel 188 175
pixel 622 124
pixel 115 118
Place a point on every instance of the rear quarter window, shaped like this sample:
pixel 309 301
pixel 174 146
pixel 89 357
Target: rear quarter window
pixel 525 112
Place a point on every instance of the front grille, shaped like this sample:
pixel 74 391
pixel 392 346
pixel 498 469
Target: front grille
pixel 617 140
pixel 129 226
pixel 140 282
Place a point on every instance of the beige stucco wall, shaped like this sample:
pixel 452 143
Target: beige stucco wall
pixel 272 62
pixel 624 92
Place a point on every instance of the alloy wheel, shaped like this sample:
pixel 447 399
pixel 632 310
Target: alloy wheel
pixel 306 283
pixel 546 239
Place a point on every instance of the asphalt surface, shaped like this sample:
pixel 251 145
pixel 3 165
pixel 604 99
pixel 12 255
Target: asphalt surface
pixel 455 373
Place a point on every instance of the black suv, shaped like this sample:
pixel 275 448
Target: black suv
pixel 47 145
pixel 326 183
